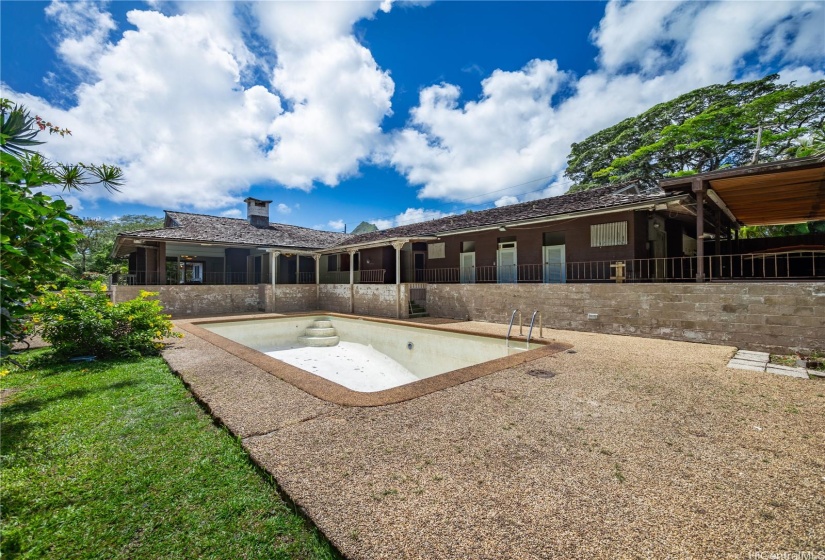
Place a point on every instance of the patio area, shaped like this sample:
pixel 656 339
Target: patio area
pixel 634 447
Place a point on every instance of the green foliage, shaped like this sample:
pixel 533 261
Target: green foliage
pixel 35 229
pixel 753 232
pixel 703 130
pixel 117 461
pixel 36 239
pixel 76 323
pixel 95 248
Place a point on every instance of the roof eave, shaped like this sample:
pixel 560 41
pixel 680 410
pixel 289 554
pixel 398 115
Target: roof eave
pixel 566 216
pixel 377 243
pixel 758 169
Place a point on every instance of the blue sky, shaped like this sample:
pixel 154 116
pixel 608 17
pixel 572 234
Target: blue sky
pixel 387 112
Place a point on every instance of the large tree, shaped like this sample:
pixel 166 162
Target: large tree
pixel 705 129
pixel 98 239
pixel 35 229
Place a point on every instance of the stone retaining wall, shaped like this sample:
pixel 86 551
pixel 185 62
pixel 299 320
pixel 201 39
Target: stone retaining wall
pixel 191 300
pixel 379 300
pixel 290 298
pixel 335 298
pixel 773 317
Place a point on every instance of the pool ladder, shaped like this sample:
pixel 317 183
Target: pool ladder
pixel 529 332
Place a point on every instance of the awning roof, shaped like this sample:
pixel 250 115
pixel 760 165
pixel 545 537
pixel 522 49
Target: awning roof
pixel 786 192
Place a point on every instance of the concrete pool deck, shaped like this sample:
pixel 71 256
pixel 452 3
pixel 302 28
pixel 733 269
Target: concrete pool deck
pixel 635 448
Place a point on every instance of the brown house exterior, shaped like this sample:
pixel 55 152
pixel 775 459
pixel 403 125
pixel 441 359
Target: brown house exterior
pixel 613 233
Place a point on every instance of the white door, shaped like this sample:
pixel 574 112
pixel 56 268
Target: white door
pixel 197 272
pixel 555 270
pixel 507 263
pixel 467 262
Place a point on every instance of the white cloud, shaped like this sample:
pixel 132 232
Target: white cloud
pixel 232 213
pixel 640 34
pixel 336 225
pixel 801 75
pixel 339 94
pixel 83 31
pixel 506 201
pixel 283 208
pixel 170 101
pixel 409 216
pixel 519 129
pixel 504 138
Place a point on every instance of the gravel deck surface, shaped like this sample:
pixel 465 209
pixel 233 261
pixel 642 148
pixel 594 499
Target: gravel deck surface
pixel 635 448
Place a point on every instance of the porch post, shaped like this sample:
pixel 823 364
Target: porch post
pixel 161 265
pixel 273 267
pixel 317 268
pixel 698 186
pixel 398 245
pixel 297 268
pixel 351 253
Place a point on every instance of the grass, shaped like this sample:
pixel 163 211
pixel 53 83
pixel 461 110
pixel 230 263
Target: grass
pixel 791 359
pixel 116 460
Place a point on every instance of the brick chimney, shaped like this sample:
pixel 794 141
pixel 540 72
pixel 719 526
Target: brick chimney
pixel 257 212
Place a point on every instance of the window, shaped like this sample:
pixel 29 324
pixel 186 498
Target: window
pixel 552 238
pixel 468 246
pixel 332 263
pixel 435 251
pixel 606 235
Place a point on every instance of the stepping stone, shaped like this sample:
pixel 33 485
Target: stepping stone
pixel 752 356
pixel 748 365
pixel 816 373
pixel 789 371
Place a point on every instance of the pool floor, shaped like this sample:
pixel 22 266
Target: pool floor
pixel 355 366
pixel 328 386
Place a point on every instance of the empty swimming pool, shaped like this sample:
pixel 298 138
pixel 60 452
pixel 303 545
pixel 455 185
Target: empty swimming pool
pixel 390 360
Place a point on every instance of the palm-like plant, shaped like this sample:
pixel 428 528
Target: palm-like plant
pixel 36 237
pixel 18 130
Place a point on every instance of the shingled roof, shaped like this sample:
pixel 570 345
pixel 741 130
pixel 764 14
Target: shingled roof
pixel 593 199
pixel 182 226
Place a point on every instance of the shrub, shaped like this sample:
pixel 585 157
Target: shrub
pixel 77 323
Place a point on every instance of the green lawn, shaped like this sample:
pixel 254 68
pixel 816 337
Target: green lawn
pixel 116 460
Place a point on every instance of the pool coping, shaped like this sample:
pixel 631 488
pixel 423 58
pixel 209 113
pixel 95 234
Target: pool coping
pixel 332 392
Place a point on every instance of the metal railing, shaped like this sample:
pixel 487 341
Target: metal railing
pixel 306 277
pixel 151 278
pixel 373 276
pixel 780 265
pixel 783 265
pixel 418 293
pixel 359 277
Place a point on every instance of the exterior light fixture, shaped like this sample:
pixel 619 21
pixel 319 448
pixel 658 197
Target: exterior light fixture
pixel 502 228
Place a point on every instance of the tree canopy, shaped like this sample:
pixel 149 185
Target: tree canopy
pixel 705 129
pixel 35 229
pixel 98 240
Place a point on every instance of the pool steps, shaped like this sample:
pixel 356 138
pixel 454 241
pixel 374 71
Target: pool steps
pixel 321 333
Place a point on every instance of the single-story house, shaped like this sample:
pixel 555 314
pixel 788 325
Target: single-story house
pixel 684 231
